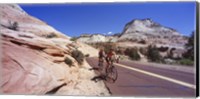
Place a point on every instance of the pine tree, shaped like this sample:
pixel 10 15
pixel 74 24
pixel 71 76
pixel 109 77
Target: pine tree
pixel 190 48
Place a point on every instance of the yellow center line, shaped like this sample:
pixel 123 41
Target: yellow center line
pixel 159 76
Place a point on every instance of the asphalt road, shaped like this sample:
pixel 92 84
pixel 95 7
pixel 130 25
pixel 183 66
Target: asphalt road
pixel 148 81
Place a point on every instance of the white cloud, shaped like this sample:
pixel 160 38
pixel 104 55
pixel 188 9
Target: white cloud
pixel 109 33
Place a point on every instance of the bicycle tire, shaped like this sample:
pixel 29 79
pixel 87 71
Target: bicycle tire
pixel 101 65
pixel 109 80
pixel 111 74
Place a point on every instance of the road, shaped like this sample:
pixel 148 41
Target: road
pixel 141 80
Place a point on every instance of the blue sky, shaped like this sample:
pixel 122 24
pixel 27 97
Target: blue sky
pixel 76 19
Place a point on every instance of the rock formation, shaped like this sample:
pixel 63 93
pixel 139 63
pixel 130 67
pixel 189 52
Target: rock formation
pixel 33 56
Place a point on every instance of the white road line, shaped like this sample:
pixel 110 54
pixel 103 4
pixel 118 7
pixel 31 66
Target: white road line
pixel 159 76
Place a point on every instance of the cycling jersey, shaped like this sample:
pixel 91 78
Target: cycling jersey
pixel 110 54
pixel 101 54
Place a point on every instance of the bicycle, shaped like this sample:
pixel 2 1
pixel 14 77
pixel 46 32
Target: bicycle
pixel 111 73
pixel 101 61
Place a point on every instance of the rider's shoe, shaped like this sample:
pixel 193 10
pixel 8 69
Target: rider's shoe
pixel 94 79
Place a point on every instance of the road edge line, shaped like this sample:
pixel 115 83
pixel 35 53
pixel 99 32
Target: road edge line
pixel 158 76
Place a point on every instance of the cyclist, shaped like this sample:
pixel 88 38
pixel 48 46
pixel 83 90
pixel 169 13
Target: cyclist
pixel 111 56
pixel 101 56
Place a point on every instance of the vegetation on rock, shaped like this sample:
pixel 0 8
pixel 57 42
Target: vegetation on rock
pixel 78 56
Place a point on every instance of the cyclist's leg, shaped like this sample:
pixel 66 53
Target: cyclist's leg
pixel 107 63
pixel 101 63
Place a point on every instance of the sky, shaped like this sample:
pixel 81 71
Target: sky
pixel 109 18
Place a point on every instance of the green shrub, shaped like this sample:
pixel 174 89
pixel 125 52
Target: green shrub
pixel 78 56
pixel 189 54
pixel 143 50
pixel 163 49
pixel 185 61
pixel 68 61
pixel 153 54
pixel 108 45
pixel 14 26
pixel 51 35
pixel 74 38
pixel 132 53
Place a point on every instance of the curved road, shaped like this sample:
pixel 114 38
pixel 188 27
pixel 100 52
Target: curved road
pixel 145 80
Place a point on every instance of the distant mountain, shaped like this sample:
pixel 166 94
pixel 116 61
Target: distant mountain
pixel 94 38
pixel 139 30
pixel 148 30
pixel 148 26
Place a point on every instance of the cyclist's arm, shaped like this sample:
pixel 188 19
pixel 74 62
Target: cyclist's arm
pixel 114 56
pixel 104 55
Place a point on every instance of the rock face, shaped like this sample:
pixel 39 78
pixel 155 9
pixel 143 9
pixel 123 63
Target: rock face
pixel 141 31
pixel 147 26
pixel 95 38
pixel 34 64
pixel 151 32
pixel 145 32
pixel 12 13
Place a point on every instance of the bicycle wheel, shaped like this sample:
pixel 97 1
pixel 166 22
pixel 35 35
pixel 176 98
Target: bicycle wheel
pixel 111 74
pixel 101 64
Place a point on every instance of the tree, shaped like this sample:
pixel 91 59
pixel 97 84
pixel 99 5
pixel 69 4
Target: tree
pixel 132 53
pixel 153 54
pixel 74 38
pixel 190 48
pixel 78 56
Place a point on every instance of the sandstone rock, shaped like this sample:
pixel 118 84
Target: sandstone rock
pixel 25 73
pixel 26 36
pixel 17 41
pixel 54 52
pixel 32 64
pixel 13 13
pixel 58 59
